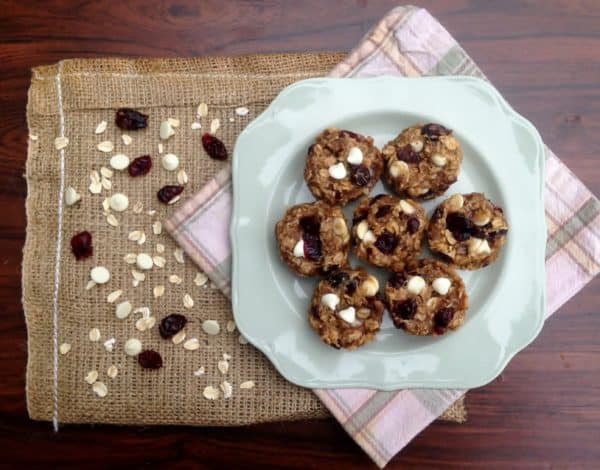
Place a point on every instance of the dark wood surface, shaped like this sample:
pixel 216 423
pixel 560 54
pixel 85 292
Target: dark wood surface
pixel 544 56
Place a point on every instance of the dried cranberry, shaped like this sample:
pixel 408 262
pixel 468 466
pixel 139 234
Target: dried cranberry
pixel 359 216
pixel 412 225
pixel 214 147
pixel 310 224
pixel 403 311
pixel 434 131
pixel 130 119
pixel 171 325
pixel 397 280
pixel 443 317
pixel 437 213
pixel 497 234
pixel 374 199
pixel 386 242
pixel 81 245
pixel 383 211
pixel 314 311
pixel 168 193
pixel 310 149
pixel 353 135
pixel 312 246
pixel 361 176
pixel 150 359
pixel 407 154
pixel 460 226
pixel 337 277
pixel 337 195
pixel 351 286
pixel 140 166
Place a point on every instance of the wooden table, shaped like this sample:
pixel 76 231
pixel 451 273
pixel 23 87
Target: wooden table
pixel 544 56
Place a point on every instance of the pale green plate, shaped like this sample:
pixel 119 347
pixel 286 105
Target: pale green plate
pixel 503 157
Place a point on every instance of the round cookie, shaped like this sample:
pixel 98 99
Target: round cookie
pixel 428 298
pixel 467 230
pixel 423 161
pixel 313 238
pixel 342 166
pixel 387 231
pixel 346 308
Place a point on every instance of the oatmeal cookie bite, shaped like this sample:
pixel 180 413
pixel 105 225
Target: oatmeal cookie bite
pixel 342 166
pixel 346 309
pixel 467 230
pixel 387 231
pixel 427 298
pixel 313 238
pixel 423 161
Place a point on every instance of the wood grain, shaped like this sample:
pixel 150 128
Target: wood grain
pixel 544 56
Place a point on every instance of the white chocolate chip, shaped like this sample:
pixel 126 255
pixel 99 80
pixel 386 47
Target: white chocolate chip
pixel 361 229
pixel 100 389
pixel 133 347
pixel 123 310
pixel 338 171
pixel 211 327
pixel 478 246
pixel 370 286
pixel 438 160
pixel 119 202
pixel 407 207
pixel 417 145
pixel 170 162
pixel 441 285
pixel 330 301
pixel 71 196
pixel 455 202
pixel 355 156
pixel 119 161
pixel 166 130
pixel 398 168
pixel 369 237
pixel 144 261
pixel 299 249
pixel 481 218
pixel 415 285
pixel 100 275
pixel 348 314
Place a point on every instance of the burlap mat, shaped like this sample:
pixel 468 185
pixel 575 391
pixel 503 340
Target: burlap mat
pixel 82 93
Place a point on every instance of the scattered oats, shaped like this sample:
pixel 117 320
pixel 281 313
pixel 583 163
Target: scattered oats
pixel 142 239
pixel 223 367
pixel 130 258
pixel 91 376
pixel 174 200
pixel 126 138
pixel 178 337
pixel 109 344
pixel 100 389
pixel 160 147
pixel 214 125
pixel 112 220
pixel 64 348
pixel 159 261
pixel 247 384
pixel 100 128
pixel 166 130
pixel 202 110
pixel 95 187
pixel 71 196
pixel 138 207
pixel 211 393
pixel 226 356
pixel 106 183
pixel 230 326
pixel 94 334
pixel 144 261
pixel 157 227
pixel 135 282
pixel 106 146
pixel 199 372
pixel 211 327
pixel 106 172
pixel 133 347
pixel 114 295
pixel 106 205
pixel 242 340
pixel 188 302
pixel 142 324
pixel 119 161
pixel 33 137
pixel 134 236
pixel 191 344
pixel 175 279
pixel 91 283
pixel 150 322
pixel 196 125
pixel 160 248
pixel 112 371
pixel 241 111
pixel 158 291
pixel 60 143
pixel 138 276
pixel 151 212
pixel 95 177
pixel 231 119
pixel 182 177
pixel 178 254
pixel 123 310
pixel 119 202
pixel 174 122
pixel 200 279
pixel 227 389
pixel 145 311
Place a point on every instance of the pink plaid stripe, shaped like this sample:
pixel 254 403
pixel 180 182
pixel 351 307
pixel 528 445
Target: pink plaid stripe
pixel 409 41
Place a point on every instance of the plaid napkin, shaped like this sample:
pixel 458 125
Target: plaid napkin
pixel 409 42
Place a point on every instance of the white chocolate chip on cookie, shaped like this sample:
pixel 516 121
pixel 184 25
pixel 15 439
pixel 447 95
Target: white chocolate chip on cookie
pixel 415 285
pixel 338 171
pixel 330 301
pixel 355 156
pixel 348 315
pixel 441 285
pixel 299 249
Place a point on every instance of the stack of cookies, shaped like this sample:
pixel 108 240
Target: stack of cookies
pixel 422 296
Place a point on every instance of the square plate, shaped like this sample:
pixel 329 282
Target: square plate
pixel 503 158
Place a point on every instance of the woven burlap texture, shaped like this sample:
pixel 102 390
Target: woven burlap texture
pixel 90 91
